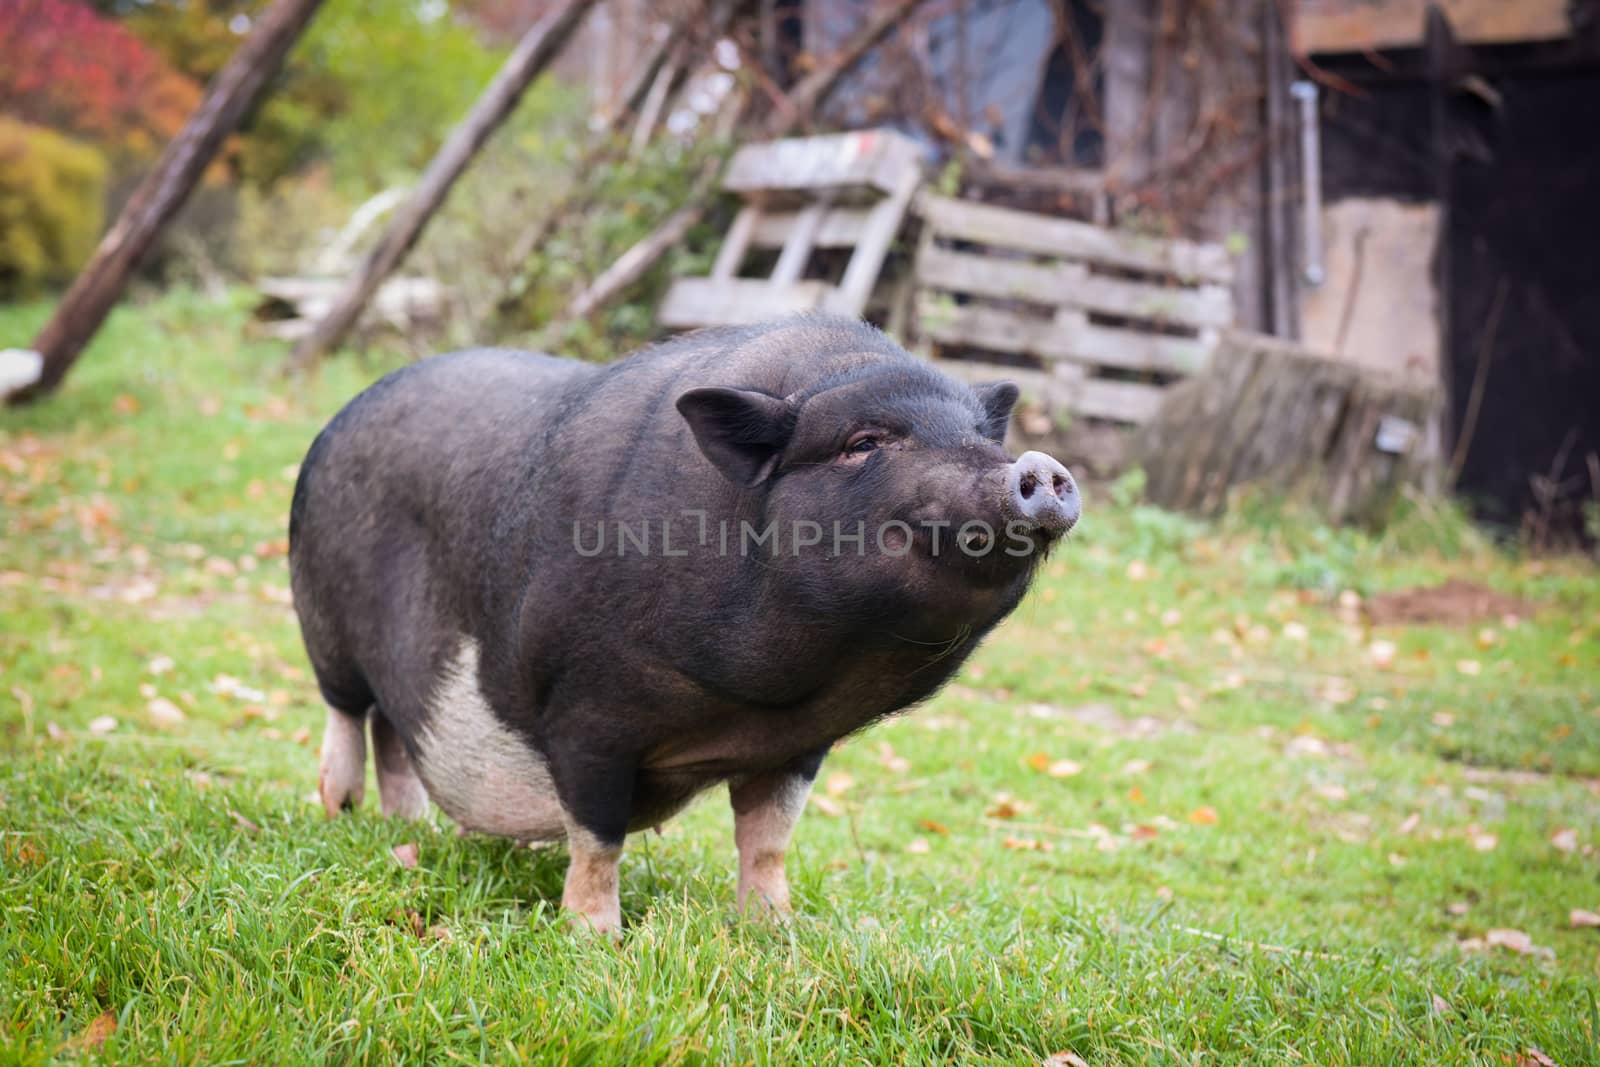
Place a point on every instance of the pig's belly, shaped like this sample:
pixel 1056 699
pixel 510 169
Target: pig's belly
pixel 483 775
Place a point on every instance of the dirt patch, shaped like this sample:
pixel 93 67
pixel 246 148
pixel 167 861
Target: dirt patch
pixel 1456 601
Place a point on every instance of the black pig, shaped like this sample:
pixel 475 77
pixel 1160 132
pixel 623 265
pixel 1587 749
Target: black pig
pixel 569 597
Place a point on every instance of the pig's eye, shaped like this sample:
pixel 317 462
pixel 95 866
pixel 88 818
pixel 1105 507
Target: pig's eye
pixel 861 443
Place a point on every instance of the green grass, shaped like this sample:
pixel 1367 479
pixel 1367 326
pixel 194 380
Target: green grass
pixel 1272 852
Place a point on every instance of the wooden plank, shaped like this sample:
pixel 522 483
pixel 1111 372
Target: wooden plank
pixel 734 246
pixel 797 249
pixel 855 288
pixel 1066 238
pixel 1098 398
pixel 1101 398
pixel 1001 330
pixel 695 302
pixel 1071 284
pixel 840 228
pixel 1364 25
pixel 877 159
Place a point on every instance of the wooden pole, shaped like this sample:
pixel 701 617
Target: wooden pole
pixel 232 93
pixel 807 96
pixel 533 54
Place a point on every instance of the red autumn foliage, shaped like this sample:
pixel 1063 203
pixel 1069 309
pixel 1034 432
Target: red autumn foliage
pixel 64 66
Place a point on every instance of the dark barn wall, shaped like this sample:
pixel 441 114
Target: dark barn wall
pixel 1520 180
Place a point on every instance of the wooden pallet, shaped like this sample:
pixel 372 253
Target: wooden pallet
pixel 1090 319
pixel 802 196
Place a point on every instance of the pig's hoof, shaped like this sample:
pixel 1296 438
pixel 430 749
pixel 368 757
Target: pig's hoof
pixel 342 776
pixel 604 925
pixel 766 903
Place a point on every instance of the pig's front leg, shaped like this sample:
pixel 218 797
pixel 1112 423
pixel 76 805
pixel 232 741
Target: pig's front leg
pixel 597 803
pixel 765 810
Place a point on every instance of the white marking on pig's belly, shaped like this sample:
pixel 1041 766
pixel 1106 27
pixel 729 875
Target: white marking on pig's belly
pixel 482 774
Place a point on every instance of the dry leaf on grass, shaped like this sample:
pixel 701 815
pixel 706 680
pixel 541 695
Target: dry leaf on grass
pixel 831 808
pixel 932 826
pixel 243 823
pixel 1532 1057
pixel 94 1035
pixel 102 725
pixel 1027 844
pixel 1204 816
pixel 406 855
pixel 1442 1006
pixel 1065 1059
pixel 1582 917
pixel 1063 768
pixel 164 712
pixel 1565 840
pixel 918 846
pixel 838 784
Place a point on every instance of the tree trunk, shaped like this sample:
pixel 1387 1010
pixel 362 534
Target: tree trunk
pixel 533 53
pixel 232 93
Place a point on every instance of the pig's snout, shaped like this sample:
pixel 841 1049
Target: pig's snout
pixel 1041 492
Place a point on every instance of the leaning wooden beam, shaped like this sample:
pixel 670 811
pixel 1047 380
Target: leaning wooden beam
pixel 232 93
pixel 532 55
pixel 582 192
pixel 807 96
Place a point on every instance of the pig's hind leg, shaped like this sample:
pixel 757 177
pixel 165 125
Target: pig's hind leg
pixel 342 773
pixel 399 788
pixel 766 808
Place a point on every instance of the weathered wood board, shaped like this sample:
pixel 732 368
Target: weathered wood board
pixel 844 191
pixel 1104 317
pixel 1268 413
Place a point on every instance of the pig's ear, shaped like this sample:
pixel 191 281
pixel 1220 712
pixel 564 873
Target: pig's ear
pixel 741 432
pixel 997 398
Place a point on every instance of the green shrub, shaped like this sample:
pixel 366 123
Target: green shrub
pixel 52 203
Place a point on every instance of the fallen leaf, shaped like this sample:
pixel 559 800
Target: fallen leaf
pixel 408 919
pixel 828 807
pixel 164 712
pixel 1565 840
pixel 102 725
pixel 1204 816
pixel 1136 766
pixel 1137 571
pixel 54 732
pixel 405 855
pixel 301 736
pixel 1027 844
pixel 441 933
pixel 1442 1006
pixel 1443 719
pixel 1512 940
pixel 1296 631
pixel 1381 654
pixel 1532 1057
pixel 1409 823
pixel 1469 667
pixel 918 846
pixel 160 665
pixel 94 1035
pixel 1485 842
pixel 933 827
pixel 1579 917
pixel 1065 1059
pixel 243 823
pixel 1144 832
pixel 1063 768
pixel 1039 761
pixel 838 784
pixel 1458 907
pixel 1330 791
